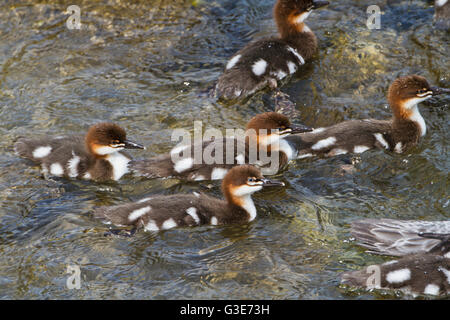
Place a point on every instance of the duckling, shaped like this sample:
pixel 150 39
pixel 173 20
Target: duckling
pixel 264 132
pixel 95 156
pixel 423 248
pixel 264 62
pixel 397 134
pixel 156 213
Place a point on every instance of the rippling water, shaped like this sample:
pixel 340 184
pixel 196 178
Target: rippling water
pixel 144 65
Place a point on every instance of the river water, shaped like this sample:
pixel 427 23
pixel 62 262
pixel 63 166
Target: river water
pixel 145 65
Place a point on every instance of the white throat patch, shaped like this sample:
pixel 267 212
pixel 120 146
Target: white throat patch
pixel 104 150
pixel 303 17
pixel 245 190
pixel 411 104
pixel 266 140
pixel 249 206
pixel 285 147
pixel 119 163
pixel 243 193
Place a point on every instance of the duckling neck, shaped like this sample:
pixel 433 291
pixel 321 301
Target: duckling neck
pixel 409 113
pixel 297 34
pixel 243 204
pixel 90 149
pixel 246 203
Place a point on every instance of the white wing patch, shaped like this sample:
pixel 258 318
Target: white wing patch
pixel 445 272
pixel 136 214
pixel 317 130
pixel 324 143
pixel 233 61
pixel 280 74
pixel 431 289
pixel 305 155
pixel 399 276
pixel 297 55
pixel 199 178
pixel 292 67
pixel 390 262
pixel 381 140
pixel 56 169
pixel 259 67
pixel 360 149
pixel 184 165
pixel 151 226
pixel 73 165
pixel 145 199
pixel 41 152
pixel 169 224
pixel 193 213
pixel 337 151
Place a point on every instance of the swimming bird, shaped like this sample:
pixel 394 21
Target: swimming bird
pixel 423 248
pixel 264 62
pixel 95 156
pixel 397 134
pixel 161 212
pixel 262 145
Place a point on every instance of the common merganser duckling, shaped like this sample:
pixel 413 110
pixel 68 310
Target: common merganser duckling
pixel 165 212
pixel 356 136
pixel 269 131
pixel 266 61
pixel 442 14
pixel 424 248
pixel 96 156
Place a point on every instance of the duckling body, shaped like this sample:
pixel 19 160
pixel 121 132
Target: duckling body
pixel 165 212
pixel 96 156
pixel 265 133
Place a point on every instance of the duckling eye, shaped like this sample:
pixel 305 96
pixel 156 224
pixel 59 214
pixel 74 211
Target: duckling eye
pixel 251 179
pixel 422 91
pixel 116 142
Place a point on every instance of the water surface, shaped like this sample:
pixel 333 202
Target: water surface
pixel 144 65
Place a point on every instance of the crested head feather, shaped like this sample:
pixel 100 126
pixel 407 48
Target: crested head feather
pixel 104 134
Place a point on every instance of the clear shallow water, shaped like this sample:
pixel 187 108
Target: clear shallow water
pixel 143 65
